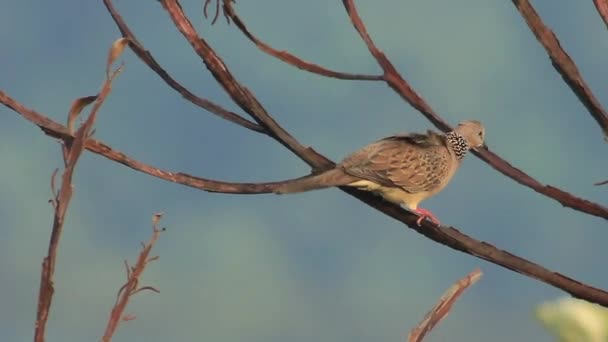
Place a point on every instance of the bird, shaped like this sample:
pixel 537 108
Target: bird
pixel 405 169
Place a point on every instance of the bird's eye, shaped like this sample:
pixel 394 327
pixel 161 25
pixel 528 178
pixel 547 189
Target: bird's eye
pixel 481 134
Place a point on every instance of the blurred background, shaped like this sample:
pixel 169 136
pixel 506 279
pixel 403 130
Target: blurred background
pixel 320 265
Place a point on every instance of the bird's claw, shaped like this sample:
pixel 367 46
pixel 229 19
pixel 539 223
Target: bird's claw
pixel 426 214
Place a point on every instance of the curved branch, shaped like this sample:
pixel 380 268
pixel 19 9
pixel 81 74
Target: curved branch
pixel 564 65
pixel 290 58
pixel 447 236
pixel 240 94
pixel 147 58
pixel 401 87
pixel 56 130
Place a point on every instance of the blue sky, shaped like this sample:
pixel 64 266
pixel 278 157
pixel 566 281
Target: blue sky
pixel 320 265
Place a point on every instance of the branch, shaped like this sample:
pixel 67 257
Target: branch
pixel 240 94
pixel 563 63
pixel 72 150
pixel 217 10
pixel 149 60
pixel 443 306
pixel 131 287
pixel 401 87
pixel 56 130
pixel 601 183
pixel 602 9
pixel 447 236
pixel 291 59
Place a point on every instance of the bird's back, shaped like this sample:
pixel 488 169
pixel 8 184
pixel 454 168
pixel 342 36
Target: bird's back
pixel 414 163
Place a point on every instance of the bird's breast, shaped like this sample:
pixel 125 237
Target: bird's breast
pixel 392 194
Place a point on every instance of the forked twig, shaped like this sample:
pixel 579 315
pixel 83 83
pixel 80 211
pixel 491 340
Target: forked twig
pixel 72 150
pixel 151 62
pixel 131 286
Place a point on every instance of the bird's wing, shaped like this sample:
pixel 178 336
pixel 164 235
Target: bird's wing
pixel 414 162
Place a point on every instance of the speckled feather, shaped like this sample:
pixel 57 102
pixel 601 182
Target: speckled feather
pixel 404 169
pixel 413 162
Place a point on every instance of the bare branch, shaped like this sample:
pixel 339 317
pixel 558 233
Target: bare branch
pixel 72 152
pixel 601 183
pixel 447 236
pixel 444 235
pixel 56 130
pixel 292 59
pixel 240 94
pixel 563 63
pixel 149 60
pixel 400 85
pixel 443 306
pixel 602 9
pixel 130 288
pixel 217 10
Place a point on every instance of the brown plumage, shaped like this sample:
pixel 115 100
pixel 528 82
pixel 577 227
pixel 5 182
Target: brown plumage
pixel 404 169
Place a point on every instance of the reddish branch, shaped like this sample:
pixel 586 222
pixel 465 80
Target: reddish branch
pixel 400 85
pixel 443 307
pixel 444 235
pixel 447 236
pixel 147 58
pixel 72 150
pixel 242 96
pixel 602 8
pixel 131 287
pixel 289 58
pixel 54 129
pixel 563 63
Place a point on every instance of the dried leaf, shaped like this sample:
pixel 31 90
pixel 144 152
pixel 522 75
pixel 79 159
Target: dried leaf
pixel 77 107
pixel 115 51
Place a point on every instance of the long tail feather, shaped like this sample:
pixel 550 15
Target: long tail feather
pixel 327 179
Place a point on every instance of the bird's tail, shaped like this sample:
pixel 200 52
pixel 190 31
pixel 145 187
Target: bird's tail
pixel 333 177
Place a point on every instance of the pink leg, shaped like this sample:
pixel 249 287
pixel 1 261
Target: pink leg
pixel 426 214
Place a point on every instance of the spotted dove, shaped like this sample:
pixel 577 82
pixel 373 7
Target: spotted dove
pixel 403 169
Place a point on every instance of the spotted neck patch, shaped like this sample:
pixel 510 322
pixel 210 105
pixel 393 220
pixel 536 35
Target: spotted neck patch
pixel 458 144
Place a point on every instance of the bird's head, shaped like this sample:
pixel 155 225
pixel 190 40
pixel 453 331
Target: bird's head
pixel 473 132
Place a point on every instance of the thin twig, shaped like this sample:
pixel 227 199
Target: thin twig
pixel 292 59
pixel 239 93
pixel 401 87
pixel 72 151
pixel 444 235
pixel 56 130
pixel 443 306
pixel 130 288
pixel 601 183
pixel 564 65
pixel 149 60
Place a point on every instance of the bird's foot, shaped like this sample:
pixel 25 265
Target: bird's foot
pixel 426 214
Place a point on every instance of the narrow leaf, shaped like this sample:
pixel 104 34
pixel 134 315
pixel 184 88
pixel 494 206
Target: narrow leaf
pixel 77 107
